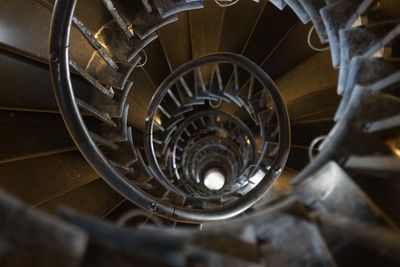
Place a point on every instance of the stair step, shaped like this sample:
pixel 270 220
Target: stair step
pixel 205 29
pixel 114 107
pixel 305 133
pixel 94 199
pixel 276 64
pixel 379 165
pixel 47 135
pixel 114 134
pixel 387 84
pixel 142 245
pixel 264 39
pixel 44 240
pixel 144 168
pixel 117 18
pixel 102 116
pixel 369 245
pixel 276 228
pixel 93 41
pixel 359 42
pixel 382 189
pixel 167 8
pixel 365 71
pixel 125 155
pixel 22 39
pixel 91 80
pixel 310 76
pixel 367 106
pixel 103 141
pixel 120 206
pixel 14 94
pixel 322 115
pixel 280 4
pixel 146 23
pixel 299 10
pixel 38 180
pixel 323 101
pixel 178 112
pixel 124 170
pixel 312 7
pixel 387 125
pixel 147 5
pixel 336 17
pixel 139 44
pixel 116 79
pixel 368 12
pixel 331 190
pixel 386 41
pixel 234 36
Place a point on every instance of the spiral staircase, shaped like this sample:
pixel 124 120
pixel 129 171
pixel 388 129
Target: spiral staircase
pixel 156 94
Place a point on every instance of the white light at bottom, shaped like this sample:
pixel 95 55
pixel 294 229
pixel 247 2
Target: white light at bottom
pixel 214 179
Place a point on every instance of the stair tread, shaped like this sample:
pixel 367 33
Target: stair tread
pixel 298 8
pixel 47 135
pixel 86 199
pixel 167 8
pixel 33 180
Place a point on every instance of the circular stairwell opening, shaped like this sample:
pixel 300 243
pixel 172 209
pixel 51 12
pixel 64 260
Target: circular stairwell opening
pixel 214 85
pixel 324 227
